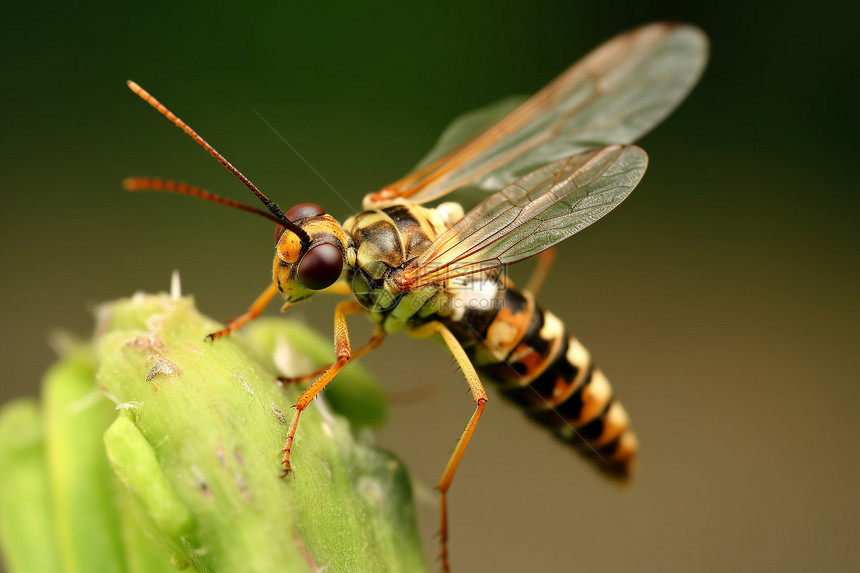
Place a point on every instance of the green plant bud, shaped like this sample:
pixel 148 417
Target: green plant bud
pixel 28 537
pixel 167 454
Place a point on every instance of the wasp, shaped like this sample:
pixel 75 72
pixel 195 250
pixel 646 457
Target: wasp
pixel 553 165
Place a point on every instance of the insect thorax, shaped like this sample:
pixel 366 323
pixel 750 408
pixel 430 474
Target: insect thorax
pixel 386 240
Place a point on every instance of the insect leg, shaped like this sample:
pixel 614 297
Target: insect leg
pixel 342 354
pixel 480 397
pixel 253 312
pixel 372 344
pixel 545 259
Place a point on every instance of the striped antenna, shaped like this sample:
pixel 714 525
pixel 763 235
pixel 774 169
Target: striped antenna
pixel 150 184
pixel 270 205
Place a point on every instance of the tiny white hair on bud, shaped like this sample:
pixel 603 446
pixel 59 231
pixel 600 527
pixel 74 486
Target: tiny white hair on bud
pixel 245 385
pixel 175 286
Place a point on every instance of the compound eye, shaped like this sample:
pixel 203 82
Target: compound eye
pixel 304 210
pixel 321 266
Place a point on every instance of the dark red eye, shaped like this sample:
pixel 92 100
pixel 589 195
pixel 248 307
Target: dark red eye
pixel 321 266
pixel 304 210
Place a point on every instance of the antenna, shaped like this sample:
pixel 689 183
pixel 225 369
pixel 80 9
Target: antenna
pixel 149 184
pixel 270 205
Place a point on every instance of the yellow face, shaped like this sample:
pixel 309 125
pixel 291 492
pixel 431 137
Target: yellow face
pixel 300 270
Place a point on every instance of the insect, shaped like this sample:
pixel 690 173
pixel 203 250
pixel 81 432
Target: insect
pixel 555 164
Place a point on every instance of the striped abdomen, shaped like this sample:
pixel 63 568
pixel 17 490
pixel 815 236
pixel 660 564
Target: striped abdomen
pixel 527 350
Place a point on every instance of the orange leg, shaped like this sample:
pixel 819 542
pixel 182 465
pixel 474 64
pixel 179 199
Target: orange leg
pixel 373 344
pixel 545 260
pixel 480 398
pixel 256 308
pixel 342 354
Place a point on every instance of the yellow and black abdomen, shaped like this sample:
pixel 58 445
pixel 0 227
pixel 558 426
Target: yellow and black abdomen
pixel 539 366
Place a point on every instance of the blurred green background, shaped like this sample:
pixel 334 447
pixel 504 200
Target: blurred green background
pixel 721 298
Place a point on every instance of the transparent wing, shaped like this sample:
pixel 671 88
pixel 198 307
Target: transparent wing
pixel 531 214
pixel 614 95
